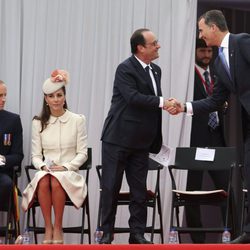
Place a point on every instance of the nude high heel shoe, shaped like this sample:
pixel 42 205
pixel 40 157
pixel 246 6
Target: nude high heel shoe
pixel 47 241
pixel 58 241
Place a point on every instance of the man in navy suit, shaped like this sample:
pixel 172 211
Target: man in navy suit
pixel 131 130
pixel 203 133
pixel 11 147
pixel 232 68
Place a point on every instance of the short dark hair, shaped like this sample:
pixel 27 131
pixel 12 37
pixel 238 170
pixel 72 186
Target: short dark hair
pixel 215 17
pixel 200 43
pixel 136 39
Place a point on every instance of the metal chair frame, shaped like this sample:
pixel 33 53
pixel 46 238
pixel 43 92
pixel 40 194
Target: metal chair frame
pixel 12 227
pixel 153 201
pixel 225 159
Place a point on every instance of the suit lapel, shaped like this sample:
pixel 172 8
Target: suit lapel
pixel 157 80
pixel 231 56
pixel 200 87
pixel 223 74
pixel 142 72
pixel 221 68
pixel 3 123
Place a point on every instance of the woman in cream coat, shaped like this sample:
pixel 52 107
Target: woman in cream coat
pixel 59 148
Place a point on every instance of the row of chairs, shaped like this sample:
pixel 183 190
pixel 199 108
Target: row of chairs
pixel 12 230
pixel 225 158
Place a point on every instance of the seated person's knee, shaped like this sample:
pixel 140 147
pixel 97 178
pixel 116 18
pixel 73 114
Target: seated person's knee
pixel 44 183
pixel 55 184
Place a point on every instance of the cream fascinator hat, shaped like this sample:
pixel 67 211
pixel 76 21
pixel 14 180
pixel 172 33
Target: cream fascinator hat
pixel 58 79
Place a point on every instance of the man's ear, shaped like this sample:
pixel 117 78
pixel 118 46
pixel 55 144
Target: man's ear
pixel 213 27
pixel 140 47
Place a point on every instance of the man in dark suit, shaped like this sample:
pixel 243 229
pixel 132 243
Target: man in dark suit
pixel 204 133
pixel 131 130
pixel 233 71
pixel 11 147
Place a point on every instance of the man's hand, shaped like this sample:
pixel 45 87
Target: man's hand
pixel 173 106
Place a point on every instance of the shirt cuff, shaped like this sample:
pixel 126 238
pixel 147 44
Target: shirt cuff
pixel 161 104
pixel 189 108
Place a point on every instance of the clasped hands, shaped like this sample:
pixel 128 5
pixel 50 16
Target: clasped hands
pixel 173 106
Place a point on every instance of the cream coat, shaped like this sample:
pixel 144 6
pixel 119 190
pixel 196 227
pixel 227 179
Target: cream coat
pixel 64 142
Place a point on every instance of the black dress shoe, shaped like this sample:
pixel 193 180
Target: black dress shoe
pixel 138 239
pixel 107 238
pixel 242 239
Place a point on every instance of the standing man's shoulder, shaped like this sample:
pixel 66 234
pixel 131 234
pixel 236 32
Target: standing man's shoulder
pixel 131 66
pixel 129 63
pixel 240 36
pixel 242 44
pixel 242 39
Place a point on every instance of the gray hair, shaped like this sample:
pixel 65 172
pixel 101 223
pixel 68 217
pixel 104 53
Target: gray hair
pixel 215 17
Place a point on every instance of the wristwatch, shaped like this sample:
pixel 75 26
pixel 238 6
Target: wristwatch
pixel 185 108
pixel 2 158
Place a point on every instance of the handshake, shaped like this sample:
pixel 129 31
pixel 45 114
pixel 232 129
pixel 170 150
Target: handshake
pixel 173 106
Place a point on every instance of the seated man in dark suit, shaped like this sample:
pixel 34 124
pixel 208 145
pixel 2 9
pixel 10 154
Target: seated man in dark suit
pixel 11 147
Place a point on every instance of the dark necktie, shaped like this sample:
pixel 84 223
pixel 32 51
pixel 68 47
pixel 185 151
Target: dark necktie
pixel 149 77
pixel 212 120
pixel 208 83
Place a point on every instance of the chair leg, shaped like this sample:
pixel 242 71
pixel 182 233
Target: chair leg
pixel 18 228
pixel 99 212
pixel 242 212
pixel 14 224
pixel 88 219
pixel 178 222
pixel 153 220
pixel 160 217
pixel 85 212
pixel 8 228
pixel 83 225
pixel 33 214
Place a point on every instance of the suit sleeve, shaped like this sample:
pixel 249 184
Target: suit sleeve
pixel 15 156
pixel 244 46
pixel 126 83
pixel 213 102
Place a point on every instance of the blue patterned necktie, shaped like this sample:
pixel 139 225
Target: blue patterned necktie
pixel 224 61
pixel 212 120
